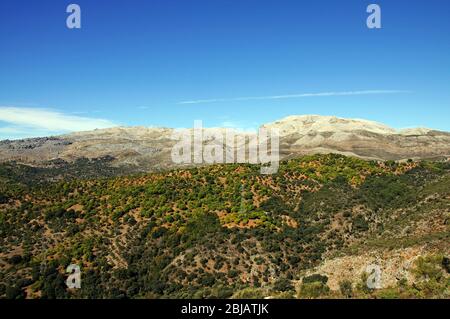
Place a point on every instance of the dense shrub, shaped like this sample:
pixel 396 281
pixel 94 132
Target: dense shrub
pixel 314 289
pixel 315 278
pixel 283 284
pixel 346 288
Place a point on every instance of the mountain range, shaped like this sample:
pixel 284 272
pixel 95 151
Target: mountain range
pixel 141 149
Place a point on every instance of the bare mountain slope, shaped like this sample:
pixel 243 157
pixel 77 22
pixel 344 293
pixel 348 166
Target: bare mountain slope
pixel 144 149
pixel 361 138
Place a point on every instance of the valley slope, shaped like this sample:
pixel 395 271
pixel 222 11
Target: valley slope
pixel 223 231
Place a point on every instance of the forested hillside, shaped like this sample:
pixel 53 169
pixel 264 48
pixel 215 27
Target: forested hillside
pixel 226 231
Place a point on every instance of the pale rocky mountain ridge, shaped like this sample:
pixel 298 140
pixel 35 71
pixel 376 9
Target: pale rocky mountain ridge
pixel 309 134
pixel 305 124
pixel 146 149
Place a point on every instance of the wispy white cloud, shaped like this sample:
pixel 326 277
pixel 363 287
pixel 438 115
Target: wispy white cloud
pixel 294 96
pixel 31 122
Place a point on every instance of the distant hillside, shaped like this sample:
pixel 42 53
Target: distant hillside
pixel 223 231
pixel 139 149
pixel 312 134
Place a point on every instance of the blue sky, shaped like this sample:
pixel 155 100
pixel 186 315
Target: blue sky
pixel 135 62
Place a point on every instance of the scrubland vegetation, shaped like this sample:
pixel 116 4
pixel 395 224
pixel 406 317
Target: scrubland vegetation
pixel 222 231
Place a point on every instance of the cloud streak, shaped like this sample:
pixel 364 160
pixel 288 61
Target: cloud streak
pixel 28 122
pixel 295 96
